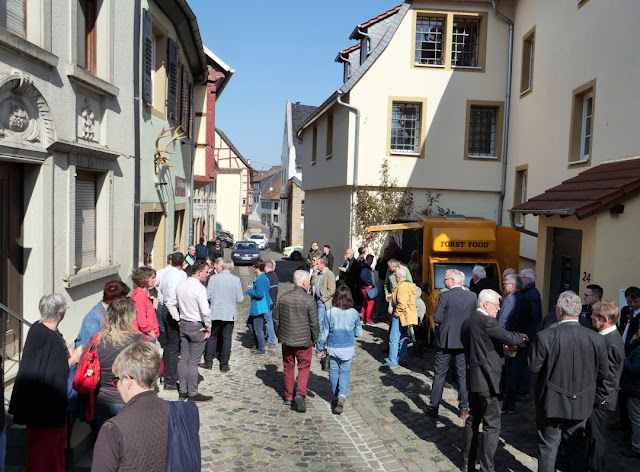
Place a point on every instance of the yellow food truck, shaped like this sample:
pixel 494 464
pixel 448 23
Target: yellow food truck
pixel 456 242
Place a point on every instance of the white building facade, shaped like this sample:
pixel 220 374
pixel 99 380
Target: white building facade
pixel 66 154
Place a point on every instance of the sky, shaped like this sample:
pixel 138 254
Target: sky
pixel 281 50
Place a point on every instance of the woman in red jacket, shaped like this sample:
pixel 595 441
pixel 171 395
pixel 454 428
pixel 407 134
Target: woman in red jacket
pixel 146 318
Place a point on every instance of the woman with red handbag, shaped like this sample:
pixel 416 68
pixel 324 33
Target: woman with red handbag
pixel 39 398
pixel 117 333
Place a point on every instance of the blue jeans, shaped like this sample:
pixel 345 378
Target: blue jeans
pixel 103 411
pixel 255 323
pixel 398 341
pixel 322 316
pixel 268 322
pixel 339 375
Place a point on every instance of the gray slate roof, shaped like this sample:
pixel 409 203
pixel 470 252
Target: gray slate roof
pixel 392 23
pixel 299 113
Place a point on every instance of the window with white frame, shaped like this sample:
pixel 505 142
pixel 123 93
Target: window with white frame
pixel 520 192
pixel 528 48
pixel 587 126
pixel 482 131
pixel 429 40
pixel 85 228
pixel 266 205
pixel 465 42
pixel 405 128
pixel 275 205
pixel 582 123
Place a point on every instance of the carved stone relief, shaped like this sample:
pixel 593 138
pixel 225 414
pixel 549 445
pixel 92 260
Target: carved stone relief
pixel 25 117
pixel 88 111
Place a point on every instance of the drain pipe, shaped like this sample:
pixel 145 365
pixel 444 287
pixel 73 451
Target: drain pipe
pixel 356 149
pixel 507 113
pixel 563 213
pixel 136 134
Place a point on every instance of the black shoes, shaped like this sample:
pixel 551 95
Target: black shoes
pixel 431 412
pixel 225 368
pixel 170 386
pixel 301 406
pixel 199 398
pixel 183 396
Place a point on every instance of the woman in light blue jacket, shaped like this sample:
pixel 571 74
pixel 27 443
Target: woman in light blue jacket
pixel 341 327
pixel 260 305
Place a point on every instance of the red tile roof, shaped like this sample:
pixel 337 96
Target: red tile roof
pixel 590 191
pixel 380 17
pixel 273 194
pixel 351 49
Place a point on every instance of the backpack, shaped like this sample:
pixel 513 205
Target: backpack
pixel 183 443
pixel 87 377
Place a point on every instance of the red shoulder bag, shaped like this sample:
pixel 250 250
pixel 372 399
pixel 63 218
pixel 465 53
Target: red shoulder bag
pixel 87 377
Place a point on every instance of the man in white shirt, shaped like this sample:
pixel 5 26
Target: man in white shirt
pixel 170 280
pixel 159 274
pixel 195 328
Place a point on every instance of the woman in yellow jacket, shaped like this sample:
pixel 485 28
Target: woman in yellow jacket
pixel 404 315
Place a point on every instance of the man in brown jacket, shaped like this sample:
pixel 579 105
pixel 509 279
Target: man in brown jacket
pixel 295 319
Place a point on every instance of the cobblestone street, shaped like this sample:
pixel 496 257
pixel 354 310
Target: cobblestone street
pixel 383 427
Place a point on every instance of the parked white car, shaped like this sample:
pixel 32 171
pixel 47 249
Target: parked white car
pixel 292 252
pixel 260 239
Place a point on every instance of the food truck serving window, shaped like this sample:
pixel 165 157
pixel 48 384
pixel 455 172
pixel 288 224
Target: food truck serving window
pixel 464 267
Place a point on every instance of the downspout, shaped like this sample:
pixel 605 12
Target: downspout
pixel 193 156
pixel 355 152
pixel 507 113
pixel 136 133
pixel 563 213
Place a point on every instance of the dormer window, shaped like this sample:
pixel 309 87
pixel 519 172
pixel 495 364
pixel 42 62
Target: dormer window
pixel 365 48
pixel 347 71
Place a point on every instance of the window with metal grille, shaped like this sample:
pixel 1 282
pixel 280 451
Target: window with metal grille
pixel 405 128
pixel 482 131
pixel 429 40
pixel 85 250
pixel 465 43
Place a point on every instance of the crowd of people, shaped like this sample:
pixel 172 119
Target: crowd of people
pixel 489 342
pixel 586 357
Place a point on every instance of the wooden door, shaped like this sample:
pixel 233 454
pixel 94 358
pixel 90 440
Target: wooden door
pixel 11 211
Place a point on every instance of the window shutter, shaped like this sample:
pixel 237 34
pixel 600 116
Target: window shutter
pixel 85 220
pixel 12 16
pixel 147 50
pixel 172 72
pixel 184 99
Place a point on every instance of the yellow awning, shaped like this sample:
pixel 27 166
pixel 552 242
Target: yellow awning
pixel 455 239
pixel 395 227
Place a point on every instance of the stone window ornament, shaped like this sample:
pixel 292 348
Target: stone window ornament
pixel 25 117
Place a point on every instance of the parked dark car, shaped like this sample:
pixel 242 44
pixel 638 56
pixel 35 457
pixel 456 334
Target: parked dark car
pixel 225 238
pixel 245 252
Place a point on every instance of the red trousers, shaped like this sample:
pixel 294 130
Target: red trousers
pixel 45 449
pixel 290 355
pixel 366 312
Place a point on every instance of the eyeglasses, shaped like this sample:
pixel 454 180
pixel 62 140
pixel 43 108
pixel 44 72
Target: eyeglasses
pixel 115 380
pixel 447 278
pixel 496 305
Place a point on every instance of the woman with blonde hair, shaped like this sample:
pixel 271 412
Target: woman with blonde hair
pixel 117 333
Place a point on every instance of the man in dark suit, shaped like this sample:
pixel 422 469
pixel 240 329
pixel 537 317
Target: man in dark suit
pixel 515 315
pixel 453 307
pixel 571 363
pixel 479 280
pixel 604 316
pixel 483 339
